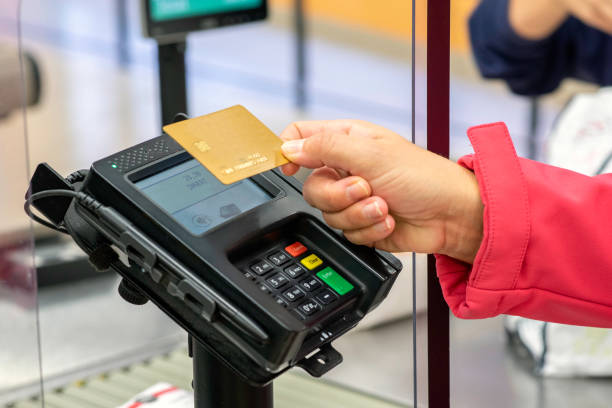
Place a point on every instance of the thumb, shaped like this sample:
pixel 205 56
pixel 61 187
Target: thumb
pixel 334 150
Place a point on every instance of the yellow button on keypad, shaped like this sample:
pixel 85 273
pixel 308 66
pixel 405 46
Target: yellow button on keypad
pixel 311 261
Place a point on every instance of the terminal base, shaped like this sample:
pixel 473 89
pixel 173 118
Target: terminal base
pixel 216 386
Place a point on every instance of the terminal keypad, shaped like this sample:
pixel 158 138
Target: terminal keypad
pixel 294 271
pixel 277 281
pixel 294 294
pixel 298 279
pixel 278 258
pixel 261 268
pixel 310 284
pixel 309 307
pixel 326 297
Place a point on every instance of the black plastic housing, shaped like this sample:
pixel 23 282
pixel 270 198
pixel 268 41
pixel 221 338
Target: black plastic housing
pixel 199 280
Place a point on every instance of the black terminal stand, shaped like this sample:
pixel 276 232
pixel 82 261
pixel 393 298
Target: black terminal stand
pixel 172 80
pixel 214 385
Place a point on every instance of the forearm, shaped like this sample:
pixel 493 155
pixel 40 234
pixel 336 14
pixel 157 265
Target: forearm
pixel 545 252
pixel 536 19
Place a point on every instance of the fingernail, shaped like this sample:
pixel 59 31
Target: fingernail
pixel 373 210
pixel 384 226
pixel 357 191
pixel 388 223
pixel 292 147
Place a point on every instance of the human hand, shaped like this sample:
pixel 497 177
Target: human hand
pixel 538 19
pixel 384 191
pixel 596 13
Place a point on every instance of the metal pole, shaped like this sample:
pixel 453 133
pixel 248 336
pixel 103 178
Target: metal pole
pixel 172 80
pixel 534 115
pixel 300 54
pixel 438 131
pixel 123 52
pixel 216 386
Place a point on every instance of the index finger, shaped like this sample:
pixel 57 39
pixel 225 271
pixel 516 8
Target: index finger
pixel 307 128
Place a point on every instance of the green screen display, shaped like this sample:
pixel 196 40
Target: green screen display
pixel 162 10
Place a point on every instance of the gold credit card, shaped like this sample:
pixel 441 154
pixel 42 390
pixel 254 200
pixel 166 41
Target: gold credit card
pixel 231 143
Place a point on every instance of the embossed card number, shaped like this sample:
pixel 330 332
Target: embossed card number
pixel 231 143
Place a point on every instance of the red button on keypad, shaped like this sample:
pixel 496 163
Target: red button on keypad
pixel 296 249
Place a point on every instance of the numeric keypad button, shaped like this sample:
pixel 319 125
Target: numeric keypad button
pixel 294 294
pixel 310 284
pixel 309 307
pixel 295 271
pixel 326 297
pixel 278 258
pixel 277 281
pixel 261 268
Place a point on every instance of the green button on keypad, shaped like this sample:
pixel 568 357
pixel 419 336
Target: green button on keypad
pixel 335 281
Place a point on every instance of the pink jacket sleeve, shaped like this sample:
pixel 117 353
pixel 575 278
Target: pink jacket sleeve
pixel 546 251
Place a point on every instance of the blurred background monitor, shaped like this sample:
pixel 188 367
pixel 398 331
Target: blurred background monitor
pixel 171 18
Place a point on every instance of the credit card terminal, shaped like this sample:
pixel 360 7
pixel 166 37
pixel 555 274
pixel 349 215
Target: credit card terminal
pixel 249 269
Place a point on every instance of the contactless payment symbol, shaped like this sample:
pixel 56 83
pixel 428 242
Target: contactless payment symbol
pixel 201 220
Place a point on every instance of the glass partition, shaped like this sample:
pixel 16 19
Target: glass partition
pixel 511 361
pixel 19 337
pixel 359 65
pixel 478 347
pixel 308 60
pixel 418 262
pixel 100 96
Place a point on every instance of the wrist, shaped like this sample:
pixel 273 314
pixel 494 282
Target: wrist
pixel 463 224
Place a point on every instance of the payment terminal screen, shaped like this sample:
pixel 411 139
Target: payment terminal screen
pixel 162 10
pixel 196 199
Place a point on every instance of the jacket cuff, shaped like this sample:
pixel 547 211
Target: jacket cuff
pixel 476 291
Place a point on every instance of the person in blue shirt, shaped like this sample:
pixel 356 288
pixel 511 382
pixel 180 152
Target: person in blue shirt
pixel 534 44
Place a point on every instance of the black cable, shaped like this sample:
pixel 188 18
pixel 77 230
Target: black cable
pixel 87 200
pixel 180 117
pixel 46 223
pixel 77 176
